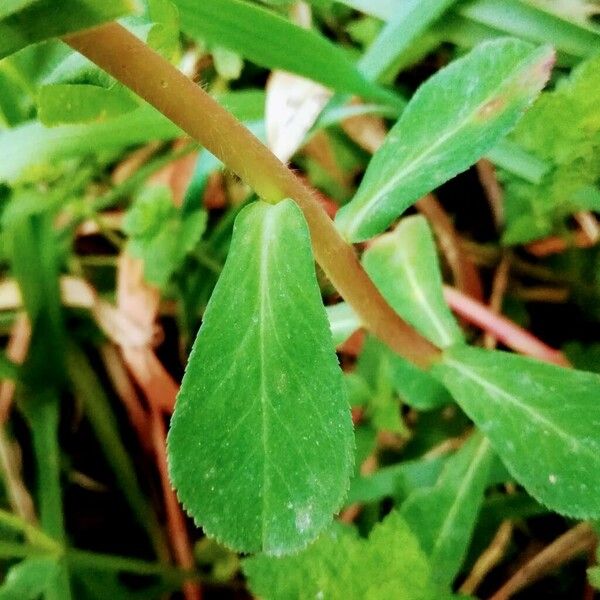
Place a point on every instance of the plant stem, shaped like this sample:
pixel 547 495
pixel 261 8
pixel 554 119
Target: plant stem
pixel 501 328
pixel 153 78
pixel 94 560
pixel 582 538
pixel 125 564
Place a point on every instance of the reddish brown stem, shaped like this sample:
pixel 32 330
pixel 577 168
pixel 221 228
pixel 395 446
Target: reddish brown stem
pixel 501 328
pixel 178 534
pixel 148 74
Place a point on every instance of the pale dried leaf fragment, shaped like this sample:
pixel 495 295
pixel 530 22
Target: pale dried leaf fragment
pixel 293 104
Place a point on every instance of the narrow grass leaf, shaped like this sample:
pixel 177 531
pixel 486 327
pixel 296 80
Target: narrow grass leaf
pixel 531 21
pixel 542 420
pixel 261 440
pixel 271 41
pixel 104 424
pixel 411 19
pixel 454 119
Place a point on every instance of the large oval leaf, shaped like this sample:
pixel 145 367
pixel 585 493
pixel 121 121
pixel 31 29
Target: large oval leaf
pixel 452 120
pixel 543 420
pixel 261 440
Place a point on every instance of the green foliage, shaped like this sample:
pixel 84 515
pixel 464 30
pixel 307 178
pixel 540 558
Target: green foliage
pixel 261 450
pixel 161 234
pixel 381 403
pixel 443 517
pixel 23 23
pixel 397 481
pixel 264 393
pixel 30 147
pixel 29 579
pixel 570 144
pixel 537 21
pixel 390 564
pixel 390 378
pixel 502 79
pixel 243 27
pixel 403 265
pixel 411 19
pixel 72 103
pixel 541 419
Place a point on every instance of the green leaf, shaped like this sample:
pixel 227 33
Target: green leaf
pixel 10 7
pixel 443 517
pixel 411 18
pixel 594 572
pixel 75 103
pixel 30 579
pixel 390 564
pixel 571 148
pixel 160 234
pixel 542 420
pixel 404 266
pixel 454 118
pixel 533 21
pixel 164 32
pixel 269 40
pixel 415 387
pixel 382 404
pixel 36 21
pixel 594 577
pixel 29 147
pixel 260 446
pixel 513 158
pixel 395 481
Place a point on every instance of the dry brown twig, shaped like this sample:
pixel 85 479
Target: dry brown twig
pixel 578 540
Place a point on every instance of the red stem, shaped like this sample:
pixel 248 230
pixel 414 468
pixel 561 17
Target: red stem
pixel 501 328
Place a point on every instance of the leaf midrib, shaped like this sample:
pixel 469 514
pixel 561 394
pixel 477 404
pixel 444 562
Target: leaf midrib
pixel 263 286
pixel 570 439
pixel 483 449
pixel 406 265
